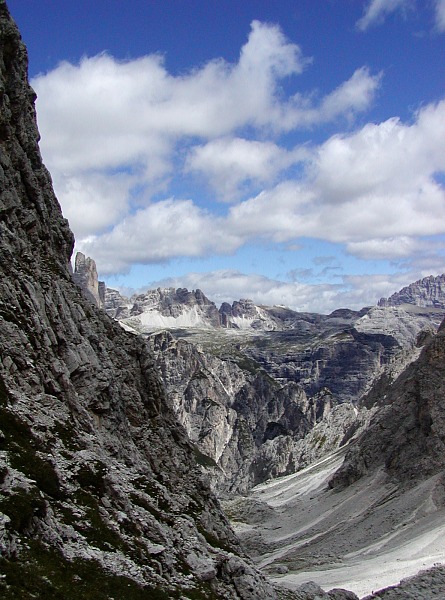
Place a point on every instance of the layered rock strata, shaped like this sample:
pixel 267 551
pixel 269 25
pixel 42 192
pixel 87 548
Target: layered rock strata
pixel 246 426
pixel 407 435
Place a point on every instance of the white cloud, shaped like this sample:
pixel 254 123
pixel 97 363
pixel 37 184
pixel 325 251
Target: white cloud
pixel 93 202
pixel 440 15
pixel 353 291
pixel 374 190
pixel 229 163
pixel 229 285
pixel 377 10
pixel 107 117
pixel 108 113
pixel 385 248
pixel 157 233
pixel 118 137
pixel 375 184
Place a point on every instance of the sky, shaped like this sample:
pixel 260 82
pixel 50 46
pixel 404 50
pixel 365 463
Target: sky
pixel 287 151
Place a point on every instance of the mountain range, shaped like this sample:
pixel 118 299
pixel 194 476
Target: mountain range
pixel 111 441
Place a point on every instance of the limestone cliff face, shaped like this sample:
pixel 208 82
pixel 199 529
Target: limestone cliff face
pixel 85 276
pixel 163 307
pixel 247 427
pixel 429 291
pixel 100 495
pixel 407 434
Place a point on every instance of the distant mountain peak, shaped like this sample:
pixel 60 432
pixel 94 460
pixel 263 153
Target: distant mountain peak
pixel 426 292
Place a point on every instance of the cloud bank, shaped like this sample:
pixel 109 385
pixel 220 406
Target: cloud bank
pixel 122 137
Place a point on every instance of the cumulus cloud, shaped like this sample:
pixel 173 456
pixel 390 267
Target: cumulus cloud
pixel 375 191
pixel 352 291
pixel 158 233
pixel 377 10
pixel 351 97
pixel 93 202
pixel 230 163
pixel 385 248
pixel 440 15
pixel 103 117
pixel 120 138
pixel 229 285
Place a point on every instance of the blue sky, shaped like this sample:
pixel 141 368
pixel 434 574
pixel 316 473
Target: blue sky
pixel 288 151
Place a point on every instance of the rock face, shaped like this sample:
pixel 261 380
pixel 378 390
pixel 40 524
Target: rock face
pixel 100 495
pixel 246 426
pixel 163 308
pixel 407 434
pixel 429 291
pixel 244 314
pixel 85 276
pixel 344 351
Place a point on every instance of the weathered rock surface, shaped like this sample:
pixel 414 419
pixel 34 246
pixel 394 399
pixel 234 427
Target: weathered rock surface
pixel 345 351
pixel 429 291
pixel 85 276
pixel 427 585
pixel 246 426
pixel 229 413
pixel 163 308
pixel 100 495
pixel 407 434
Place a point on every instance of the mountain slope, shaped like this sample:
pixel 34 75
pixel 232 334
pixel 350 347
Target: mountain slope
pixel 429 291
pixel 407 435
pixel 371 513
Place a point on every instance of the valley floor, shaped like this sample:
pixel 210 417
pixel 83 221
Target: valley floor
pixel 364 538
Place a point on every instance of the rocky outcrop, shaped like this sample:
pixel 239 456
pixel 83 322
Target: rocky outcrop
pixel 244 314
pixel 259 403
pixel 345 351
pixel 85 276
pixel 100 495
pixel 246 426
pixel 429 291
pixel 164 308
pixel 406 435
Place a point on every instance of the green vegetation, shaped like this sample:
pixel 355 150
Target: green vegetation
pixel 21 506
pixel 44 573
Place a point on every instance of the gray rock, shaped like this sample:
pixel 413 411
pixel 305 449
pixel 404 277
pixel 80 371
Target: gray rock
pixel 85 276
pixel 429 291
pixel 406 434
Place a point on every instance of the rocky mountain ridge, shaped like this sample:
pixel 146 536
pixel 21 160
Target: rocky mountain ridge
pixel 246 426
pixel 180 308
pixel 429 291
pixel 371 513
pixel 245 379
pixel 344 351
pixel 100 493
